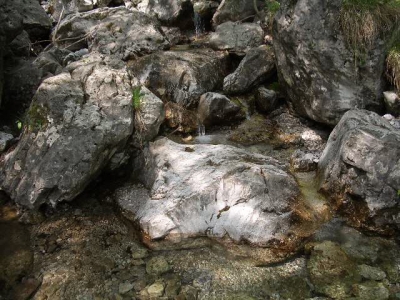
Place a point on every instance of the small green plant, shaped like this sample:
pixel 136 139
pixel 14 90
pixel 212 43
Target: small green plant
pixel 137 96
pixel 398 193
pixel 36 118
pixel 275 86
pixel 272 6
pixel 19 124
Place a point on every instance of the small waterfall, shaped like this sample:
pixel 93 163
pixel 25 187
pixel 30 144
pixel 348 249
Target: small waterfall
pixel 201 129
pixel 199 24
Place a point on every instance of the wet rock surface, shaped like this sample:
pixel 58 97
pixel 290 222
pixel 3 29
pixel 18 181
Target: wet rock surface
pixel 359 169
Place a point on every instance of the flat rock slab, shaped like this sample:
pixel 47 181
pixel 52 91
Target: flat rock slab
pixel 112 31
pixel 211 191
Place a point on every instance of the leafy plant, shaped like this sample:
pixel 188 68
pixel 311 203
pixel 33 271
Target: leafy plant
pixel 137 96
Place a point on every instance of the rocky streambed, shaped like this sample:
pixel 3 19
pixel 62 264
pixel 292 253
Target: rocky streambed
pixel 154 150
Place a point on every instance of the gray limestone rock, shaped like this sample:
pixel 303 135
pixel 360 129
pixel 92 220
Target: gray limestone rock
pixel 5 139
pixel 392 102
pixel 150 115
pixel 266 100
pixel 76 122
pixel 211 190
pixel 170 12
pixel 317 69
pixel 217 109
pixel 236 37
pixel 360 170
pixel 181 76
pixel 112 31
pixel 257 66
pixel 235 10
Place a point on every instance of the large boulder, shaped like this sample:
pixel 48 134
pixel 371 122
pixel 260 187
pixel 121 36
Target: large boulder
pixel 317 69
pixel 112 31
pixel 236 37
pixel 257 66
pixel 235 10
pixel 75 124
pixel 212 191
pixel 181 76
pixel 170 12
pixel 360 170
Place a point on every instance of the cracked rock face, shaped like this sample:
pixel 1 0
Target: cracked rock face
pixel 360 170
pixel 112 31
pixel 215 191
pixel 317 69
pixel 76 122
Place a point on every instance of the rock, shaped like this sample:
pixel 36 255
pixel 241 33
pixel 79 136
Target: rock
pixel 157 266
pixel 74 6
pixel 360 170
pixel 180 118
pixel 171 12
pixel 235 10
pixel 218 191
pixel 156 289
pixel 112 31
pixel 257 66
pixel 25 15
pixel 173 286
pixel 150 115
pixel 183 76
pixel 371 273
pixel 21 80
pixel 76 122
pixel 26 288
pixel 266 100
pixel 392 103
pixel 317 69
pixel 304 162
pixel 51 62
pixel 236 37
pixel 5 139
pixel 125 287
pixel 217 109
pixel 331 271
pixel 2 52
pixel 175 36
pixel 21 45
pixel 371 290
pixel 205 8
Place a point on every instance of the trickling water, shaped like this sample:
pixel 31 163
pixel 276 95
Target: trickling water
pixel 201 130
pixel 199 24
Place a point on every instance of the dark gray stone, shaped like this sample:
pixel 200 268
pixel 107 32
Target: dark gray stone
pixel 266 100
pixel 257 66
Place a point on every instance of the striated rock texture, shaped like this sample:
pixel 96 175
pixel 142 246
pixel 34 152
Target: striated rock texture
pixel 112 31
pixel 236 37
pixel 257 66
pixel 315 66
pixel 76 122
pixel 215 191
pixel 181 76
pixel 360 170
